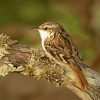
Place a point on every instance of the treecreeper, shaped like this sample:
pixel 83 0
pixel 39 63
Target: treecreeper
pixel 58 46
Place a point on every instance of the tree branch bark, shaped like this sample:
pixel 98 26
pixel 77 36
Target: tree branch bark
pixel 15 57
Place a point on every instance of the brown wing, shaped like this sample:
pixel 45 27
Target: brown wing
pixel 62 48
pixel 70 49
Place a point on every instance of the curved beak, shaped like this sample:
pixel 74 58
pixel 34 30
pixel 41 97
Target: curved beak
pixel 35 28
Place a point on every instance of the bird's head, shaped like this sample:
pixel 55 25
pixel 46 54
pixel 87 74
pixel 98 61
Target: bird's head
pixel 49 29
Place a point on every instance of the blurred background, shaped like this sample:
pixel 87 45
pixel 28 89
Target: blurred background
pixel 81 18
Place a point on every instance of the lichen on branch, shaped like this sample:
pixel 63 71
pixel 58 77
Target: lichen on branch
pixel 15 57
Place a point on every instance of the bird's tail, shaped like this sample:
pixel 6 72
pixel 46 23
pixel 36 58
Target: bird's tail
pixel 79 78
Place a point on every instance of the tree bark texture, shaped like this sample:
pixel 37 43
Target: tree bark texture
pixel 15 57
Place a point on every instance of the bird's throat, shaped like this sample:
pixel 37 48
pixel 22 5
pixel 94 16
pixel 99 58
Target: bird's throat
pixel 43 34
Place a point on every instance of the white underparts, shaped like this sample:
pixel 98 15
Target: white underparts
pixel 44 34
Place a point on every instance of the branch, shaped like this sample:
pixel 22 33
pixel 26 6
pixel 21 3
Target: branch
pixel 15 57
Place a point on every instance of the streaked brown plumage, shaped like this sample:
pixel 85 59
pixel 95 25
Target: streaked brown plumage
pixel 59 46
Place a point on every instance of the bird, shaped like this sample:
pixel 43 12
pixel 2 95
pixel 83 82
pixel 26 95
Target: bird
pixel 59 47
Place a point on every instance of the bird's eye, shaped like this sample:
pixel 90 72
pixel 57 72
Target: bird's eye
pixel 45 28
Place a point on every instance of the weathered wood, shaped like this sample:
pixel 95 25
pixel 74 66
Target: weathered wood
pixel 15 57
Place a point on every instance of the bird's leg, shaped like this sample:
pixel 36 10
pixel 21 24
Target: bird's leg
pixel 43 57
